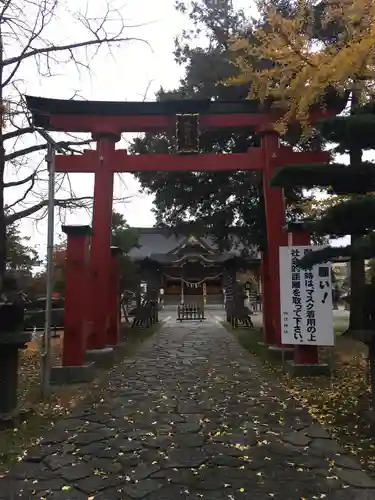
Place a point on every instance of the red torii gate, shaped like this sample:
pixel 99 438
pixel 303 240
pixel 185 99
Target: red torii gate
pixel 106 121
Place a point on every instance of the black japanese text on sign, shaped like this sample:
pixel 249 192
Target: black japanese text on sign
pixel 324 282
pixel 310 304
pixel 296 296
pixel 187 133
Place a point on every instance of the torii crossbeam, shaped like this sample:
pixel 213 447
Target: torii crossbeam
pixel 122 162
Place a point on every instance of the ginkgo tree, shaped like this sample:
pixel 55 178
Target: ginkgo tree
pixel 329 44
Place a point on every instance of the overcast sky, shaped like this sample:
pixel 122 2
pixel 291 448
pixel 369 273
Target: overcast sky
pixel 136 72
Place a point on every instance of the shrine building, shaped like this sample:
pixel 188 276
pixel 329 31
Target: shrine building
pixel 190 268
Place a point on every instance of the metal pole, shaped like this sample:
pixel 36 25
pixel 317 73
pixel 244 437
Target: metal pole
pixel 46 355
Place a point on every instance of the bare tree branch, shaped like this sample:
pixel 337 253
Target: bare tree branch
pixel 61 48
pixel 17 133
pixel 41 147
pixel 24 196
pixel 77 202
pixel 20 182
pixel 35 33
pixel 82 202
pixel 30 32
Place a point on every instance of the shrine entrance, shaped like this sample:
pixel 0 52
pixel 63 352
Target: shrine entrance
pixel 194 288
pixel 188 269
pixel 106 121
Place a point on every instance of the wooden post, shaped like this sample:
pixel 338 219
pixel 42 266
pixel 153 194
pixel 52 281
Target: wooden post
pixel 276 237
pixel 304 354
pixel 267 320
pixel 77 263
pixel 113 332
pixel 101 242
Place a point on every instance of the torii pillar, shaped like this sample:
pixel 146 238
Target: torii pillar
pixel 97 349
pixel 273 157
pixel 74 368
pixel 276 237
pixel 304 355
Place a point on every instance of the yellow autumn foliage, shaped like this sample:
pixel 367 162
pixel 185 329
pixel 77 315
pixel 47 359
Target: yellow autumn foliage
pixel 298 66
pixel 315 208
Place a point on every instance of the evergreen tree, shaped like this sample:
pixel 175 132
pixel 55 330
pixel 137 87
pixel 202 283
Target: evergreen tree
pixel 125 238
pixel 353 136
pixel 370 271
pixel 214 201
pixel 350 207
pixel 21 257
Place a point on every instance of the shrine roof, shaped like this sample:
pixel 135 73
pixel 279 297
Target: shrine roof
pixel 41 106
pixel 210 259
pixel 152 240
pixel 165 244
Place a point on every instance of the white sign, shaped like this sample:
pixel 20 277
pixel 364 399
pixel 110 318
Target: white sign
pixel 306 300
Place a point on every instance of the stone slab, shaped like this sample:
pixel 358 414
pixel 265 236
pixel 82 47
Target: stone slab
pixel 13 419
pixel 277 352
pixel 298 370
pixel 122 343
pixel 218 427
pixel 103 358
pixel 61 375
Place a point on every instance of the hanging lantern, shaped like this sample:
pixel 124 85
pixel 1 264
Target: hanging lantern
pixel 187 133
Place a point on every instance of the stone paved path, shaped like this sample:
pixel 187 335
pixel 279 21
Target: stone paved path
pixel 192 416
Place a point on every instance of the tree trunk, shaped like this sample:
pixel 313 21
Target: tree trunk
pixel 357 283
pixel 357 266
pixel 3 231
pixel 371 355
pixel 3 234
